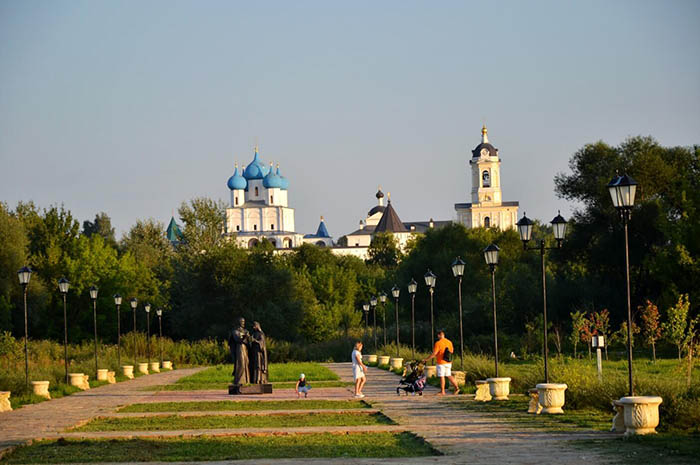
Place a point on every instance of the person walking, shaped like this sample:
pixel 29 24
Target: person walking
pixel 442 352
pixel 359 370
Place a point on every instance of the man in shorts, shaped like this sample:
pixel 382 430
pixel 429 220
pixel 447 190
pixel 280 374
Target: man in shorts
pixel 444 368
pixel 359 370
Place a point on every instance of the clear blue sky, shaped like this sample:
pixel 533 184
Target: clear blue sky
pixel 132 107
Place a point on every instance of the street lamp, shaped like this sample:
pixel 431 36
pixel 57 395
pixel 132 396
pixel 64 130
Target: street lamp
pixel 93 296
pixel 430 282
pixel 159 312
pixel 63 286
pixel 458 272
pixel 373 304
pixel 147 307
pixel 395 291
pixel 622 191
pixel 118 304
pixel 525 231
pixel 134 302
pixel 491 256
pixel 412 286
pixel 24 275
pixel 382 299
pixel 365 309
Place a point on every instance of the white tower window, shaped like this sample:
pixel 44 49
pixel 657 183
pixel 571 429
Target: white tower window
pixel 256 191
pixel 487 222
pixel 485 179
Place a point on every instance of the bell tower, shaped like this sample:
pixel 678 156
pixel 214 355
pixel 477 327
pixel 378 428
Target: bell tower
pixel 486 172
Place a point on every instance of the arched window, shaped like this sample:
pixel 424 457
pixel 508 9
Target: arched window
pixel 252 243
pixel 255 227
pixel 272 227
pixel 320 243
pixel 287 243
pixel 238 227
pixel 273 242
pixel 256 191
pixel 487 222
pixel 485 179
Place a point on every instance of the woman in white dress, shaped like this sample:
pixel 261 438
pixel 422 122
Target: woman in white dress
pixel 359 370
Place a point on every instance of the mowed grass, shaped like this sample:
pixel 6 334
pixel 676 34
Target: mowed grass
pixel 176 422
pixel 374 445
pixel 228 405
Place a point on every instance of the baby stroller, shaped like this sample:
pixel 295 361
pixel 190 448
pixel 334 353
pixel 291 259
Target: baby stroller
pixel 413 380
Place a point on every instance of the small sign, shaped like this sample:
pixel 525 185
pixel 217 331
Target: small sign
pixel 598 342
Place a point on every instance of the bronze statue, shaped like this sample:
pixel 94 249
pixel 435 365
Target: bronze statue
pixel 258 355
pixel 238 342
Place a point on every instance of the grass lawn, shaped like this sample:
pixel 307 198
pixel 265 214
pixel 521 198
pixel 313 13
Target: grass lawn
pixel 175 422
pixel 229 405
pixel 231 448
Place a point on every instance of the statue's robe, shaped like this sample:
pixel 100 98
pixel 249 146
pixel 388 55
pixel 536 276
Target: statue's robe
pixel 238 343
pixel 258 357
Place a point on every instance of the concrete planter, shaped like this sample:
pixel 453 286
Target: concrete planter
pixel 482 391
pixel 102 374
pixel 430 371
pixel 41 388
pixel 143 368
pixel 128 371
pixel 111 379
pixel 499 388
pixel 5 401
pixel 155 367
pixel 641 414
pixel 79 380
pixel 460 377
pixel 383 359
pixel 371 358
pixel 551 397
pixel 396 363
pixel 167 365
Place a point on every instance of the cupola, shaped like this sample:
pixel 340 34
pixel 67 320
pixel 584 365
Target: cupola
pixel 237 181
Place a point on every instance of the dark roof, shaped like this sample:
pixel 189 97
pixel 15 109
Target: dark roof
pixel 423 226
pixel 476 153
pixel 173 232
pixel 378 208
pixel 390 221
pixel 510 203
pixel 363 231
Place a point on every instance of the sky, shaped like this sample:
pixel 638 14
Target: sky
pixel 134 107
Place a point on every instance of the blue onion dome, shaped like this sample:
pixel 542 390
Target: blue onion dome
pixel 237 181
pixel 256 169
pixel 285 181
pixel 272 180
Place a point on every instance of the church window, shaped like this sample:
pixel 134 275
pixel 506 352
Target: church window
pixel 287 243
pixel 238 227
pixel 255 227
pixel 487 222
pixel 272 199
pixel 320 243
pixel 236 201
pixel 256 191
pixel 272 226
pixel 486 179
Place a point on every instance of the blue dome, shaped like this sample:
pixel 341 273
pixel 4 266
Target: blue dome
pixel 272 180
pixel 237 181
pixel 256 169
pixel 285 181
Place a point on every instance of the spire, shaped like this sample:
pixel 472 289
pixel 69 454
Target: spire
pixel 484 135
pixel 390 221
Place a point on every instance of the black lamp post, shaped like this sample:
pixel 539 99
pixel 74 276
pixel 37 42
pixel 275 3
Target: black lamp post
pixel 430 282
pixel 458 272
pixel 622 191
pixel 491 256
pixel 525 231
pixel 147 308
pixel 382 299
pixel 63 286
pixel 412 286
pixel 24 275
pixel 159 312
pixel 395 291
pixel 373 304
pixel 93 296
pixel 118 304
pixel 134 302
pixel 365 309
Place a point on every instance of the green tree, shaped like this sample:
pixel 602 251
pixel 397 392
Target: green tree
pixel 102 226
pixel 384 250
pixel 578 323
pixel 674 329
pixel 651 329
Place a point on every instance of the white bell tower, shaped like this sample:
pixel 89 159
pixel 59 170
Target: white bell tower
pixel 486 172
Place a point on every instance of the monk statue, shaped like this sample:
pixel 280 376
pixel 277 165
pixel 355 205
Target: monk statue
pixel 238 341
pixel 258 355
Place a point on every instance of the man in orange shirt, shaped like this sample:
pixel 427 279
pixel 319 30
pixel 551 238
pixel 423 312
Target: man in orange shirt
pixel 444 367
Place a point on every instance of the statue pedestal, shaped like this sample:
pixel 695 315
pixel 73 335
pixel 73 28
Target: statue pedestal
pixel 242 389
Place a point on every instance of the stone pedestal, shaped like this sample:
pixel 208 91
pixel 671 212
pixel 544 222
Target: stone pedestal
pixel 430 371
pixel 383 360
pixel 128 371
pixel 167 365
pixel 499 388
pixel 371 358
pixel 79 380
pixel 618 425
pixel 243 389
pixel 460 377
pixel 41 389
pixel 102 374
pixel 5 401
pixel 534 405
pixel 143 368
pixel 482 391
pixel 396 363
pixel 111 379
pixel 155 367
pixel 641 414
pixel 551 397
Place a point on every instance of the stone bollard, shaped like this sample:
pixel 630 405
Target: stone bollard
pixel 383 360
pixel 167 365
pixel 86 383
pixel 5 405
pixel 618 425
pixel 102 374
pixel 499 388
pixel 371 359
pixel 641 414
pixel 78 380
pixel 482 391
pixel 143 368
pixel 551 397
pixel 111 379
pixel 155 367
pixel 41 389
pixel 460 377
pixel 128 371
pixel 396 363
pixel 534 405
pixel 430 371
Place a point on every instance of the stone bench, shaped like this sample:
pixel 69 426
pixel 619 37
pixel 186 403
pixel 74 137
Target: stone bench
pixel 534 405
pixel 5 405
pixel 41 389
pixel 482 391
pixel 618 422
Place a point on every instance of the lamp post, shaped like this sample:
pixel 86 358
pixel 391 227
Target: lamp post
pixel 491 256
pixel 373 304
pixel 134 302
pixel 147 308
pixel 118 304
pixel 365 309
pixel 63 286
pixel 622 191
pixel 395 291
pixel 159 312
pixel 382 299
pixel 458 272
pixel 412 286
pixel 93 296
pixel 430 282
pixel 24 275
pixel 525 231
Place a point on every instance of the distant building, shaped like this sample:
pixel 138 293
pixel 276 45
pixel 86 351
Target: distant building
pixel 173 232
pixel 321 238
pixel 487 209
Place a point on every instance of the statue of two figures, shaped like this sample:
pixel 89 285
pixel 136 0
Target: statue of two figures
pixel 249 356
